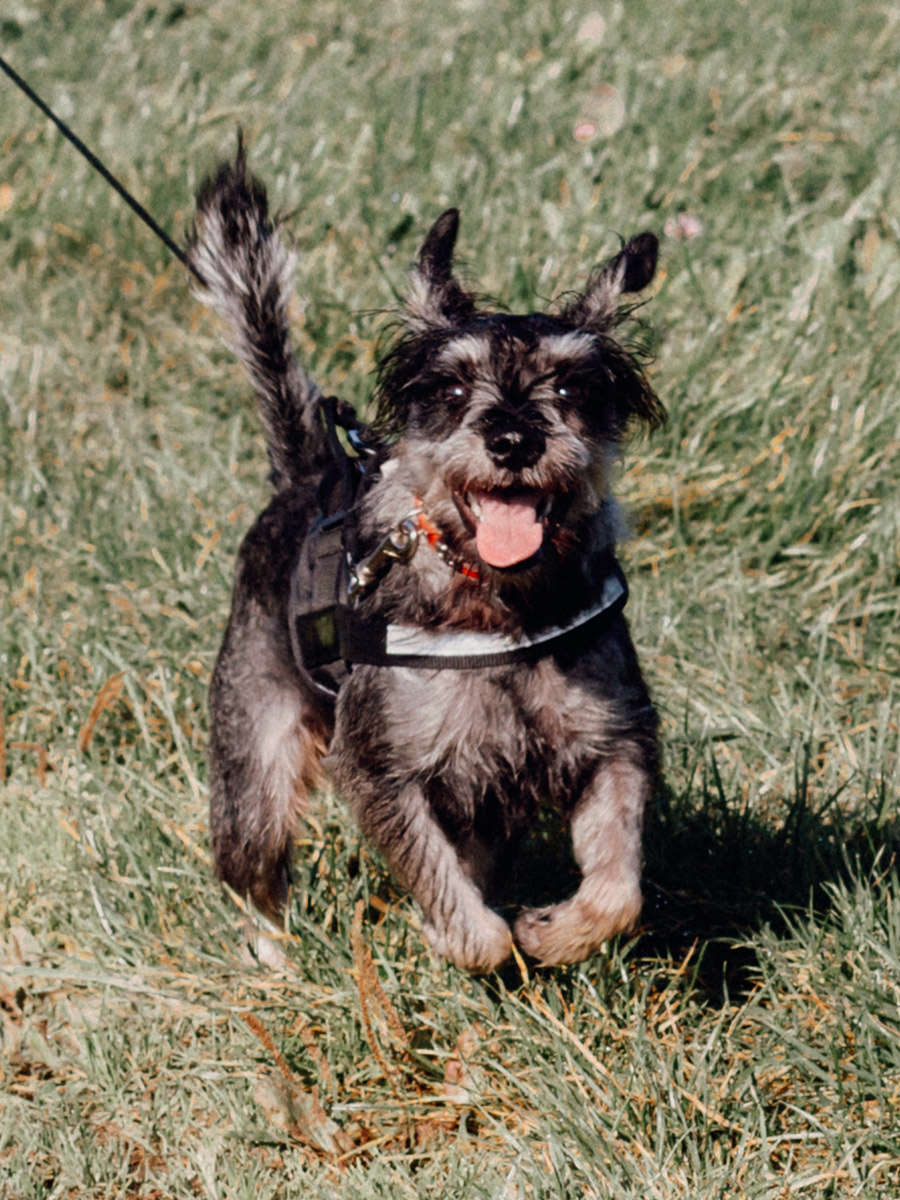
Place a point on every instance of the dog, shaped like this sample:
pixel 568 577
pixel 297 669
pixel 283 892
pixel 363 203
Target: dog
pixel 484 532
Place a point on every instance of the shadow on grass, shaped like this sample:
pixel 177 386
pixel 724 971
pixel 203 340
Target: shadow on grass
pixel 717 871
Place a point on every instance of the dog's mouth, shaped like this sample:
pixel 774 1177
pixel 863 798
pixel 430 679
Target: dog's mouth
pixel 509 524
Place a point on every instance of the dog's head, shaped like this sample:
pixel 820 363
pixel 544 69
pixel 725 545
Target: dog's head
pixel 505 425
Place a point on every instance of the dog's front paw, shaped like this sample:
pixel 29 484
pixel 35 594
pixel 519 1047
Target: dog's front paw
pixel 575 929
pixel 478 946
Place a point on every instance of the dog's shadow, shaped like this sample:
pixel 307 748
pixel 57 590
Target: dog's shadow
pixel 717 870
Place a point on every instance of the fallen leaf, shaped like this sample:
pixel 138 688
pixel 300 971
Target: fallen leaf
pixel 298 1113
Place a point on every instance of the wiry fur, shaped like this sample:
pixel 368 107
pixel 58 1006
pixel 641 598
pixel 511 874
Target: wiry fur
pixel 482 412
pixel 248 282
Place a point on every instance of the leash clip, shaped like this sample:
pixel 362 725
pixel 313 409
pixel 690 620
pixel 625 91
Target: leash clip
pixel 399 546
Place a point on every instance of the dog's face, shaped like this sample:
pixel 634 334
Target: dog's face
pixel 507 424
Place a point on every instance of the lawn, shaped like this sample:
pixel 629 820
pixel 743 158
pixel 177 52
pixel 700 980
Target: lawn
pixel 747 1042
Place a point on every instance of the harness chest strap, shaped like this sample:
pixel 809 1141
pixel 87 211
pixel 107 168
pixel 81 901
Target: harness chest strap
pixel 327 629
pixel 381 643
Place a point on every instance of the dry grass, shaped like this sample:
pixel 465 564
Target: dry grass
pixel 747 1043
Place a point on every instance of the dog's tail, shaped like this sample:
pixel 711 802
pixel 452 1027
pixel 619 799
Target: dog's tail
pixel 246 268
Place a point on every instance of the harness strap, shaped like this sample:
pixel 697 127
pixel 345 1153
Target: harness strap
pixel 318 585
pixel 316 593
pixel 329 636
pixel 375 642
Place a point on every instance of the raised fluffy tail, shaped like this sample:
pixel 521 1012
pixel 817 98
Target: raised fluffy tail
pixel 247 273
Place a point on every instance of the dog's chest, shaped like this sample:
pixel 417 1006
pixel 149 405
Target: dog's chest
pixel 492 724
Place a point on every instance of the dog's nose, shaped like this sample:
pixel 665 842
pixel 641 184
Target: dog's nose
pixel 515 448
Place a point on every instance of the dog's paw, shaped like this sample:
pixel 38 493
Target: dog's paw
pixel 573 930
pixel 477 947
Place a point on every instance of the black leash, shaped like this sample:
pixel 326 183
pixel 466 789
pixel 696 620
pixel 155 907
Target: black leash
pixel 98 166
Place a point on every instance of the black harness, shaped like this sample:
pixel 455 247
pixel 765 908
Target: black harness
pixel 328 633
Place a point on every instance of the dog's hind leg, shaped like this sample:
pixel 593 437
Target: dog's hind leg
pixel 265 747
pixel 606 837
pixel 458 924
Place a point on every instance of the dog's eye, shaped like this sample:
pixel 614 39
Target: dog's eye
pixel 453 391
pixel 572 390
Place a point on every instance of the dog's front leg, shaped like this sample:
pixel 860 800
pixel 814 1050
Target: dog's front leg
pixel 606 838
pixel 458 923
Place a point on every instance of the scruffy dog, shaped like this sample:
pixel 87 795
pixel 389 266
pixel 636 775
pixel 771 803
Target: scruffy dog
pixel 483 545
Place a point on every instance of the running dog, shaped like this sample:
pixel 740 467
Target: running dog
pixel 495 675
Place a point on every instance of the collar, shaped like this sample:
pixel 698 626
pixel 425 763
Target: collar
pixel 399 545
pixel 435 540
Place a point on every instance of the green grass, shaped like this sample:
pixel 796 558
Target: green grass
pixel 747 1043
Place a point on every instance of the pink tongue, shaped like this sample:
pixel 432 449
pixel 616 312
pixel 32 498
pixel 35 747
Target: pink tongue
pixel 509 530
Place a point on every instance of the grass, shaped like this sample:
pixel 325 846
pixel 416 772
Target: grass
pixel 747 1043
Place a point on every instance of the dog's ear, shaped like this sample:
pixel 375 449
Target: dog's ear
pixel 435 298
pixel 629 271
pixel 436 255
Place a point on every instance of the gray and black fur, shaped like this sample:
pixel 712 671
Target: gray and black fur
pixel 504 429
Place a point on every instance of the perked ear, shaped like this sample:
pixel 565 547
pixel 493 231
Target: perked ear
pixel 629 271
pixel 436 255
pixel 435 298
